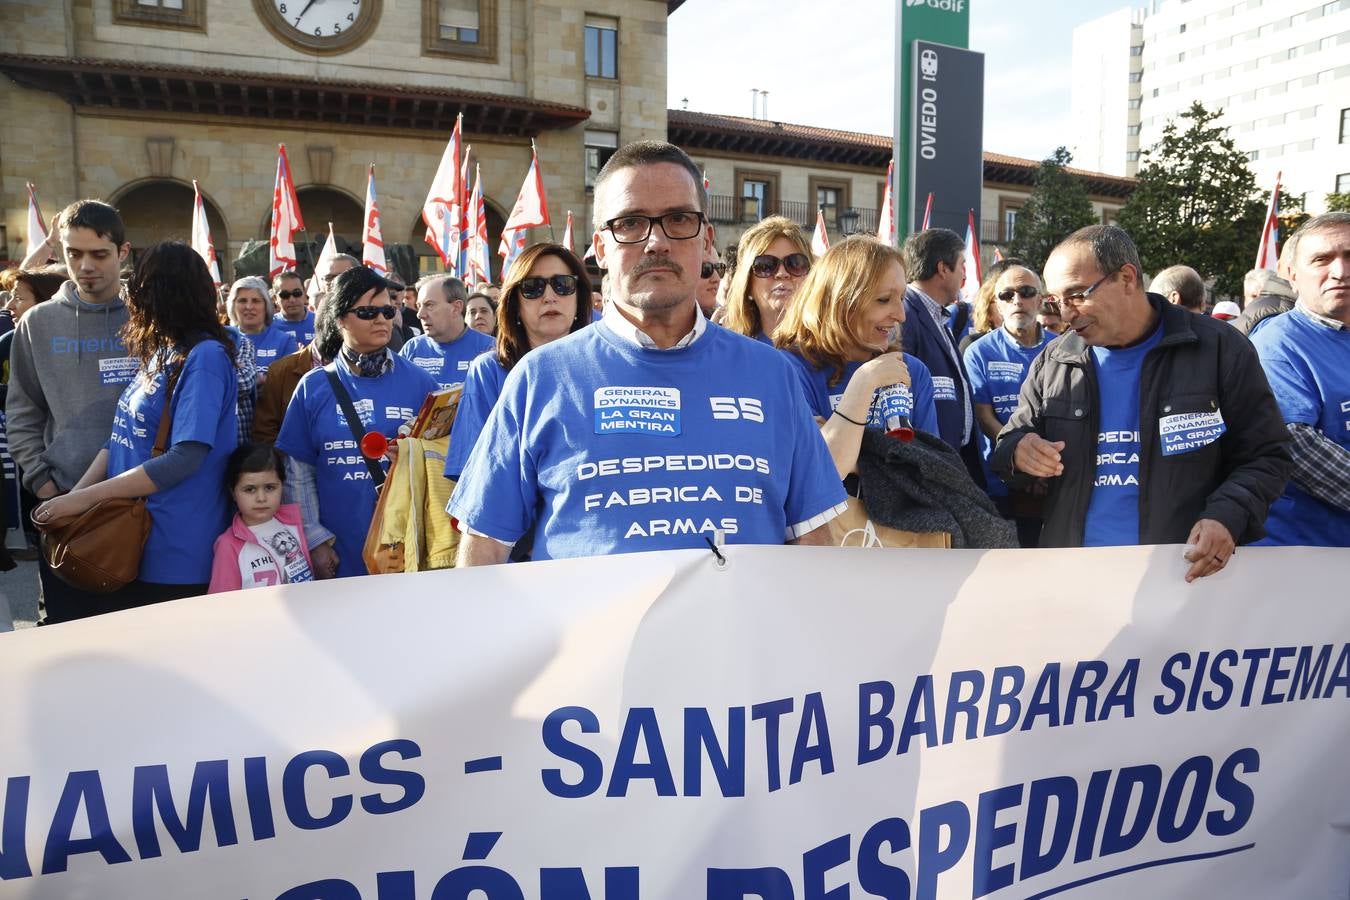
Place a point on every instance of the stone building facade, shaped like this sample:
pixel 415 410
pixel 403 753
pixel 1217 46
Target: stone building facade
pixel 130 100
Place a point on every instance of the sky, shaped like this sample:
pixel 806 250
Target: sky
pixel 831 64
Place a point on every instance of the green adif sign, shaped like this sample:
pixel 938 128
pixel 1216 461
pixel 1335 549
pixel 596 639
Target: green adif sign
pixel 942 22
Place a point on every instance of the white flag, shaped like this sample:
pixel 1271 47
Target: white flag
pixel 820 240
pixel 372 242
pixel 329 251
pixel 37 231
pixel 201 234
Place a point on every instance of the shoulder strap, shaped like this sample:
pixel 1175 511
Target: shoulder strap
pixel 353 421
pixel 166 418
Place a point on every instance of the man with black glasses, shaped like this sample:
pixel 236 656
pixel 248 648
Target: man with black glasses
pixel 288 292
pixel 652 429
pixel 1149 425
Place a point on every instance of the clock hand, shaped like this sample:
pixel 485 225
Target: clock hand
pixel 305 10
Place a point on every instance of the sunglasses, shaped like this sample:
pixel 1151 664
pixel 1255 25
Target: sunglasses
pixel 766 265
pixel 533 288
pixel 709 268
pixel 369 313
pixel 286 295
pixel 1025 291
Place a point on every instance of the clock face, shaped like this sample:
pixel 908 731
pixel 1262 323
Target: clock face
pixel 319 26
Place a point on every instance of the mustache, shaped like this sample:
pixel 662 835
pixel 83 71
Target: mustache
pixel 655 262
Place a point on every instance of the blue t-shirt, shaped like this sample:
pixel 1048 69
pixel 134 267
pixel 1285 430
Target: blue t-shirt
pixel 482 386
pixel 1308 366
pixel 315 431
pixel 186 518
pixel 997 365
pixel 1113 511
pixel 612 448
pixel 447 363
pixel 302 331
pixel 270 345
pixel 822 397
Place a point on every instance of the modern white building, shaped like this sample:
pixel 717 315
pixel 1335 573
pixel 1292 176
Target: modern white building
pixel 1105 94
pixel 1279 70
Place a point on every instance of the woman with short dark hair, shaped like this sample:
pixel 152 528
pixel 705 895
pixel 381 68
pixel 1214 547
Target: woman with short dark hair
pixel 185 355
pixel 326 471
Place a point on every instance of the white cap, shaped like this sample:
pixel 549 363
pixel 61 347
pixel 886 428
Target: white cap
pixel 1226 309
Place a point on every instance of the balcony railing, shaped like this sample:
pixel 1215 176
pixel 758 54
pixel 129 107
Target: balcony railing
pixel 728 210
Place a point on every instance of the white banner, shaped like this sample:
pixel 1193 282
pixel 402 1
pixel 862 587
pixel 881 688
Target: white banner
pixel 805 723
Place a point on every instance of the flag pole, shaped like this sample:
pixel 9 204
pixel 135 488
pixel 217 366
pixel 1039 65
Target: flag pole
pixel 534 152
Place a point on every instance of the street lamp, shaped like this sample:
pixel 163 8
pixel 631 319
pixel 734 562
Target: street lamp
pixel 848 221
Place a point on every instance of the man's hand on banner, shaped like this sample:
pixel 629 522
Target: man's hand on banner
pixel 1209 548
pixel 325 560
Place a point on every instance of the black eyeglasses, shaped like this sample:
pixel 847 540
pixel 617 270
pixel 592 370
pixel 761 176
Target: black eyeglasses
pixel 709 268
pixel 533 288
pixel 1025 291
pixel 1078 298
pixel 370 313
pixel 678 226
pixel 766 265
pixel 286 295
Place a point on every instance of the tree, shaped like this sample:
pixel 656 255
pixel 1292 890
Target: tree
pixel 1196 203
pixel 1338 202
pixel 1057 207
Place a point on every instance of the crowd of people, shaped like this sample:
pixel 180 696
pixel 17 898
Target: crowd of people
pixel 697 398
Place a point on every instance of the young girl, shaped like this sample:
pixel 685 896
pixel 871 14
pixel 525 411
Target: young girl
pixel 265 544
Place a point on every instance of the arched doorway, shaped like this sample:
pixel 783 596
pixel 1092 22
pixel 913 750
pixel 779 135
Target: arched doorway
pixel 160 209
pixel 427 260
pixel 320 205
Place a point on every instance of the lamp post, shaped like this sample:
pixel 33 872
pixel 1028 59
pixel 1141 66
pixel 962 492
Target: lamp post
pixel 848 221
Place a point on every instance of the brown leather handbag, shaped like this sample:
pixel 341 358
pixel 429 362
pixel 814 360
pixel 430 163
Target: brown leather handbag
pixel 100 549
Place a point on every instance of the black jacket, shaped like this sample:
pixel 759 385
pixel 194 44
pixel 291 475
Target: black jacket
pixel 1199 365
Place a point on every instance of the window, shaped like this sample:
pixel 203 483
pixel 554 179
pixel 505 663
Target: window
pixel 184 14
pixel 602 48
pixel 1010 222
pixel 1132 156
pixel 1132 131
pixel 461 28
pixel 1253 155
pixel 1343 183
pixel 758 193
pixel 600 146
pixel 831 196
pixel 1137 50
pixel 1135 103
pixel 1345 126
pixel 1136 77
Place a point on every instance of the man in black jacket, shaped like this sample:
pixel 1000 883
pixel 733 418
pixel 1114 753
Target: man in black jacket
pixel 1150 425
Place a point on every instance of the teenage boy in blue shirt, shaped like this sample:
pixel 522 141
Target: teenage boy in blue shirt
pixel 652 429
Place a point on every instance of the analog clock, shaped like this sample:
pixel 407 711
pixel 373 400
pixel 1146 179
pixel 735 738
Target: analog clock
pixel 319 26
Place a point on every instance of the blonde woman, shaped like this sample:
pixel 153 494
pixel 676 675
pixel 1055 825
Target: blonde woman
pixel 840 334
pixel 772 258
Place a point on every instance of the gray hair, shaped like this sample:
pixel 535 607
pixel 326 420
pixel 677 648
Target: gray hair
pixel 1263 281
pixel 646 153
pixel 1111 248
pixel 1325 222
pixel 250 283
pixel 1185 281
pixel 452 287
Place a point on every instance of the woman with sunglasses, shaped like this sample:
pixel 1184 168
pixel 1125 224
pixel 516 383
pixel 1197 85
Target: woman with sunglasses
pixel 841 334
pixel 326 471
pixel 173 331
pixel 997 365
pixel 546 295
pixel 773 257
